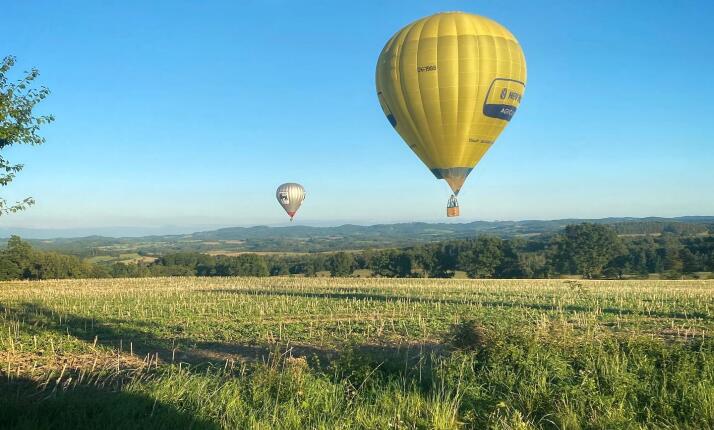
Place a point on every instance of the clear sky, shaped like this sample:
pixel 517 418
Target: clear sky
pixel 191 113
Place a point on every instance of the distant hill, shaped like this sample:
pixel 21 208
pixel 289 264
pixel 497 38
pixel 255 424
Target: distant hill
pixel 300 238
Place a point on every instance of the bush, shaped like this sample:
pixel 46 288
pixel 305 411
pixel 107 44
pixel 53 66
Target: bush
pixel 467 335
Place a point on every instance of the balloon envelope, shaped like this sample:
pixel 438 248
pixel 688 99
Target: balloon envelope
pixel 290 197
pixel 449 84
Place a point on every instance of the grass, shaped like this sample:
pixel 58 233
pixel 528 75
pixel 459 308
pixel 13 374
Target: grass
pixel 296 353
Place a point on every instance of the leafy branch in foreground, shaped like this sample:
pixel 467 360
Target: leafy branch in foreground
pixel 18 125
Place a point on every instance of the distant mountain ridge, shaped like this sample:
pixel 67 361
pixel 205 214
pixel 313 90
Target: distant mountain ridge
pixel 497 227
pixel 300 238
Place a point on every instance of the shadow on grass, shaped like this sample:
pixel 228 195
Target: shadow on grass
pixel 24 405
pixel 124 336
pixel 27 404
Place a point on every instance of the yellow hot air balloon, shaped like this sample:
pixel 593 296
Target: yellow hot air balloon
pixel 449 84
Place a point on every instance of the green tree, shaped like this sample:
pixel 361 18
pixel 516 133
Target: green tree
pixel 512 262
pixel 639 263
pixel 8 269
pixel 20 261
pixel 52 265
pixel 279 267
pixel 341 264
pixel 586 248
pixel 252 265
pixel 379 264
pixel 424 259
pixel 618 266
pixel 401 264
pixel 19 255
pixel 392 264
pixel 121 270
pixel 690 262
pixel 669 251
pixel 18 124
pixel 440 260
pixel 483 257
pixel 159 270
pixel 533 265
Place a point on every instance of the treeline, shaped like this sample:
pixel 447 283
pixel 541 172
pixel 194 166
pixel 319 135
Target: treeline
pixel 349 237
pixel 20 261
pixel 660 227
pixel 590 250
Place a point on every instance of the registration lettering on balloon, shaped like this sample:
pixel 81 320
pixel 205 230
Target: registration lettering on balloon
pixel 503 98
pixel 479 140
pixel 429 68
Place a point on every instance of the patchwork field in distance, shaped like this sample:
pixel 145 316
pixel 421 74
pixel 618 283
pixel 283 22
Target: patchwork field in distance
pixel 356 353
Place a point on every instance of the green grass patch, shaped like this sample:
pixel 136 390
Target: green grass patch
pixel 295 353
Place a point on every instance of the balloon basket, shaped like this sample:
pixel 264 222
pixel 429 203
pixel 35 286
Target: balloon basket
pixel 452 207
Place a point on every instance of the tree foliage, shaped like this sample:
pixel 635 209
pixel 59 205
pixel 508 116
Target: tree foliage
pixel 20 261
pixel 586 248
pixel 589 250
pixel 19 125
pixel 482 258
pixel 341 264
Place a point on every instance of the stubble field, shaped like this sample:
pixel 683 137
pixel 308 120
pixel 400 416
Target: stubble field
pixel 329 353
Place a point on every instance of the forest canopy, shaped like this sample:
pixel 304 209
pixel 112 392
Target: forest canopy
pixel 586 249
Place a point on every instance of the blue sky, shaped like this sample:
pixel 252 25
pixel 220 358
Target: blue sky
pixel 191 113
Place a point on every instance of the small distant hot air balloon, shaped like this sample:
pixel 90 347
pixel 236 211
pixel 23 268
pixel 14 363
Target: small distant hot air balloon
pixel 290 197
pixel 449 84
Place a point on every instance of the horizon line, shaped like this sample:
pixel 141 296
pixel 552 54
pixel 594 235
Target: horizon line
pixel 147 231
